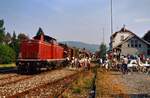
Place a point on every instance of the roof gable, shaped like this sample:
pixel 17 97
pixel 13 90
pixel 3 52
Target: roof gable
pixel 147 36
pixel 122 30
pixel 130 37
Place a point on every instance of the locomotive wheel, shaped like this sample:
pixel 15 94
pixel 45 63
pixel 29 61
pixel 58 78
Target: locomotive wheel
pixel 31 70
pixel 19 69
pixel 53 65
pixel 37 70
pixel 64 63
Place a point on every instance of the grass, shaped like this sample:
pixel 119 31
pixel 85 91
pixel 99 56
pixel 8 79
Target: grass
pixel 76 90
pixel 7 65
pixel 87 83
pixel 65 96
pixel 83 83
pixel 80 87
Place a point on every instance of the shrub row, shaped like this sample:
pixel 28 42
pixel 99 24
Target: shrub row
pixel 7 54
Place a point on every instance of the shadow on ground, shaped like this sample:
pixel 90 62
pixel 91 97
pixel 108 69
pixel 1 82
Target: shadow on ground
pixel 6 70
pixel 131 96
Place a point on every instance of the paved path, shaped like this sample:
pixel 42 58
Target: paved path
pixel 115 85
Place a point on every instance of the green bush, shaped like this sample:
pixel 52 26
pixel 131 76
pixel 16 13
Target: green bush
pixel 87 83
pixel 7 54
pixel 76 90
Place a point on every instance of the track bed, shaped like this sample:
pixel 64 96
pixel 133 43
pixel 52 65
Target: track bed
pixel 31 85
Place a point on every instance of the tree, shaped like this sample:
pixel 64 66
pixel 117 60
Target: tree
pixel 14 37
pixel 8 38
pixel 7 54
pixel 40 32
pixel 103 49
pixel 2 31
pixel 22 36
pixel 15 44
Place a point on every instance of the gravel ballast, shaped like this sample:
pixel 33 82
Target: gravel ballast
pixel 21 86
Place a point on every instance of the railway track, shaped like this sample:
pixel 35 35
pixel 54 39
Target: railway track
pixel 13 79
pixel 28 86
pixel 49 90
pixel 6 76
pixel 6 79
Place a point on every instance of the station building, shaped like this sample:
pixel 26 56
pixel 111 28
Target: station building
pixel 125 42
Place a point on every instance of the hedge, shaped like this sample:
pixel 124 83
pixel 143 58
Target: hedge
pixel 7 54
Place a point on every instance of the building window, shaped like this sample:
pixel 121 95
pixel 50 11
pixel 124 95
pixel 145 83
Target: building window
pixel 136 42
pixel 128 45
pixel 122 37
pixel 139 45
pixel 148 52
pixel 132 45
pixel 132 41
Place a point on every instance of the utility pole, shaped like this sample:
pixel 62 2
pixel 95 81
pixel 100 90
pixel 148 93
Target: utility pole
pixel 111 12
pixel 103 36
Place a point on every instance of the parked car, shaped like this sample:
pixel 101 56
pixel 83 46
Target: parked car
pixel 132 63
pixel 146 64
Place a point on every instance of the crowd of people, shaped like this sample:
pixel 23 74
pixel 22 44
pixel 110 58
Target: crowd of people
pixel 78 63
pixel 123 64
pixel 112 63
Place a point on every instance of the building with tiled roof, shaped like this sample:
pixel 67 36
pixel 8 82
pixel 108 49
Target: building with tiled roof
pixel 125 42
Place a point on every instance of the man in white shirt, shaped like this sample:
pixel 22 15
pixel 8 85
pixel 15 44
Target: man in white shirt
pixel 124 65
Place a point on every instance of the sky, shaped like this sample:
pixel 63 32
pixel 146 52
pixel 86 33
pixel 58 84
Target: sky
pixel 75 20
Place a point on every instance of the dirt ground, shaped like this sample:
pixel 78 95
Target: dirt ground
pixel 116 85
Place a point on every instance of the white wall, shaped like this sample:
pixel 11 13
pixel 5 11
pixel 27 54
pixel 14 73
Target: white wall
pixel 133 50
pixel 117 39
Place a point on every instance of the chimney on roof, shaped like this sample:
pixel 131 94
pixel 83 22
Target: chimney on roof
pixel 123 29
pixel 124 25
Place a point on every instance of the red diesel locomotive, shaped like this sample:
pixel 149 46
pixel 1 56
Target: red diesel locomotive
pixel 40 52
